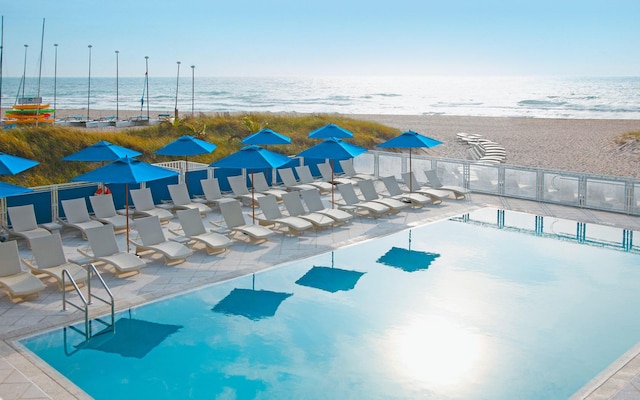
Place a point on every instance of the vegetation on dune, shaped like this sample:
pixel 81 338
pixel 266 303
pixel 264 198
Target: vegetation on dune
pixel 49 144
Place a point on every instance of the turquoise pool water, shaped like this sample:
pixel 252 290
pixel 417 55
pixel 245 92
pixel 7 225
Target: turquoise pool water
pixel 454 311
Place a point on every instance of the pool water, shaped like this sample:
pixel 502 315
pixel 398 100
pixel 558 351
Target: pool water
pixel 455 311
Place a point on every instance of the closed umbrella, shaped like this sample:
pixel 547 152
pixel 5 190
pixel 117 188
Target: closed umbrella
pixel 410 140
pixel 330 131
pixel 266 137
pixel 332 149
pixel 187 146
pixel 126 171
pixel 252 158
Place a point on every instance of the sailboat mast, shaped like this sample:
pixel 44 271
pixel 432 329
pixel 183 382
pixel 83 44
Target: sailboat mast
pixel 55 80
pixel 89 84
pixel 40 73
pixel 146 58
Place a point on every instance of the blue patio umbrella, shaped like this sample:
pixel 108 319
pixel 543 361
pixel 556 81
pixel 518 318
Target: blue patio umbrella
pixel 187 146
pixel 410 140
pixel 330 279
pixel 332 149
pixel 265 137
pixel 8 190
pixel 251 303
pixel 11 165
pixel 406 259
pixel 125 171
pixel 330 131
pixel 252 158
pixel 102 151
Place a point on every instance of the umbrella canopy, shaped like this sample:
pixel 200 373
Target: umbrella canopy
pixel 329 131
pixel 8 190
pixel 266 136
pixel 406 259
pixel 251 303
pixel 252 158
pixel 11 165
pixel 102 151
pixel 332 149
pixel 125 171
pixel 187 146
pixel 410 140
pixel 330 279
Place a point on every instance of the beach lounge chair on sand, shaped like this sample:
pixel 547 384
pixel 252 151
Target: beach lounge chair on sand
pixel 77 216
pixel 350 171
pixel 151 239
pixel 24 224
pixel 314 203
pixel 271 215
pixel 144 205
pixel 325 170
pixel 181 200
pixel 260 185
pixel 105 211
pixel 369 193
pixel 240 191
pixel 234 221
pixel 458 191
pixel 350 198
pixel 295 208
pixel 212 192
pixel 304 173
pixel 194 230
pixel 103 248
pixel 49 261
pixel 18 284
pixel 289 180
pixel 436 195
pixel 395 192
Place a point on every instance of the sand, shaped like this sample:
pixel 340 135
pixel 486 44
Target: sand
pixel 579 145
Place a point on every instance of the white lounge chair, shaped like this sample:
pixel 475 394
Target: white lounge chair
pixel 235 221
pixel 434 181
pixel 436 195
pixel 212 192
pixel 144 206
pixel 295 208
pixel 49 261
pixel 240 191
pixel 314 203
pixel 151 239
pixel 77 216
pixel 289 180
pixel 350 198
pixel 193 228
pixel 17 283
pixel 350 171
pixel 325 171
pixel 305 176
pixel 369 193
pixel 181 200
pixel 395 192
pixel 24 224
pixel 104 248
pixel 271 215
pixel 105 211
pixel 260 185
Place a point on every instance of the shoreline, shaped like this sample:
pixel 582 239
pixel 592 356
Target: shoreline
pixel 578 145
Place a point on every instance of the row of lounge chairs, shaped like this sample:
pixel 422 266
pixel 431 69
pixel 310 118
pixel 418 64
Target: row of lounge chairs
pixel 483 150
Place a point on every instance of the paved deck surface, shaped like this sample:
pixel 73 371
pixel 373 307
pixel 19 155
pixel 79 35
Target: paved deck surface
pixel 25 377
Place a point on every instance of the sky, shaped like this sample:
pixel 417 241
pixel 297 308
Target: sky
pixel 265 38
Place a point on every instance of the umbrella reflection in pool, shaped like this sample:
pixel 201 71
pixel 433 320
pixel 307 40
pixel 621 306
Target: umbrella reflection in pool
pixel 330 279
pixel 251 303
pixel 407 259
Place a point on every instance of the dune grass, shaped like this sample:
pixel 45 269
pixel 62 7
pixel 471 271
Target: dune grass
pixel 49 144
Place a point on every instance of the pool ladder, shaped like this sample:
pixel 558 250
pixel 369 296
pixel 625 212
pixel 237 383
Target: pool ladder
pixel 86 301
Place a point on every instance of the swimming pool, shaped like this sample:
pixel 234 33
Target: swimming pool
pixel 448 310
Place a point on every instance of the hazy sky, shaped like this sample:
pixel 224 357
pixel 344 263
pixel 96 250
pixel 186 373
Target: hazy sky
pixel 329 37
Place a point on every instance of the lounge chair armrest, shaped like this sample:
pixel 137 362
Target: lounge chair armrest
pixel 177 231
pixel 85 251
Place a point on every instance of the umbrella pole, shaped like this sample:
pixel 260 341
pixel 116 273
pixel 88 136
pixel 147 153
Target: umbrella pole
pixel 332 184
pixel 410 172
pixel 253 199
pixel 126 206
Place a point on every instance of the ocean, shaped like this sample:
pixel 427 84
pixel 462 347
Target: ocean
pixel 532 97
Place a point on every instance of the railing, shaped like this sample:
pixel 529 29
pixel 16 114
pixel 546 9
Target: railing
pixel 86 301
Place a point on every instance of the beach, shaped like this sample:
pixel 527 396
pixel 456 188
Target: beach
pixel 579 145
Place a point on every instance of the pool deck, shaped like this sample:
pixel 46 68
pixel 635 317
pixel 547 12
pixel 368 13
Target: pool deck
pixel 22 376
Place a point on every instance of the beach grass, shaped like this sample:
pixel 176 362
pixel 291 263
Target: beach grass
pixel 49 144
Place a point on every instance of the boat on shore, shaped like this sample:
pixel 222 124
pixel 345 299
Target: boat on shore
pixel 30 111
